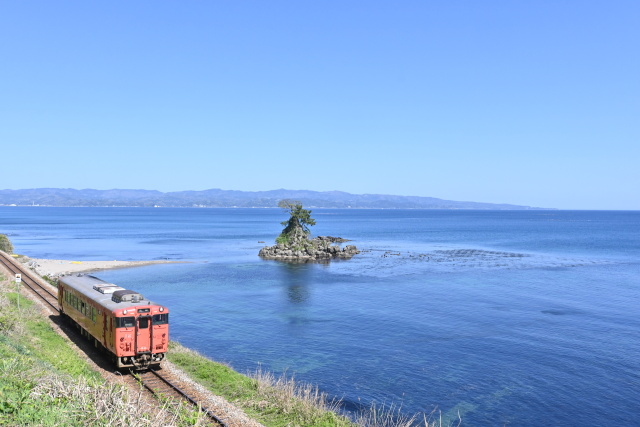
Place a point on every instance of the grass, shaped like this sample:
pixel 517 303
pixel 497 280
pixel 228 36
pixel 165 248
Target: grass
pixel 272 401
pixel 5 244
pixel 392 416
pixel 282 239
pixel 44 382
pixel 282 401
pixel 300 403
pixel 53 281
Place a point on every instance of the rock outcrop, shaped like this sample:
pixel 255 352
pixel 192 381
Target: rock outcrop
pixel 299 248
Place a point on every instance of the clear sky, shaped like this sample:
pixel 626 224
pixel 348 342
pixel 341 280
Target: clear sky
pixel 524 102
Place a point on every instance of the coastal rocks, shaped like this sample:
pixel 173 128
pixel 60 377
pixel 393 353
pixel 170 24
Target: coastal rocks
pixel 302 249
pixel 332 239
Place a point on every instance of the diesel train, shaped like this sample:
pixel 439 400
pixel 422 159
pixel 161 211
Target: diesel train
pixel 132 331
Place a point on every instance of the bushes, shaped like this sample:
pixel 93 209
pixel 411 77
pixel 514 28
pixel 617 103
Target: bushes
pixel 5 244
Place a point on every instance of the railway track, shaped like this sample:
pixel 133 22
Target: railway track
pixel 156 383
pixel 34 283
pixel 161 386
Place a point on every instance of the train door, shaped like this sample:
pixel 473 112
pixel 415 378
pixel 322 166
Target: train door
pixel 143 334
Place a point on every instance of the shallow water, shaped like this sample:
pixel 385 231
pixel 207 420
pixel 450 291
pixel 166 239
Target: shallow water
pixel 522 318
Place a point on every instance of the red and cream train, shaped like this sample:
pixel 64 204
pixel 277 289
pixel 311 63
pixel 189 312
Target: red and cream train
pixel 132 330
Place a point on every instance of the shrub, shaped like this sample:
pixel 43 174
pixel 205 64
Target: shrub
pixel 5 244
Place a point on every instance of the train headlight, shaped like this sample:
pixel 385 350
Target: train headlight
pixel 161 309
pixel 124 312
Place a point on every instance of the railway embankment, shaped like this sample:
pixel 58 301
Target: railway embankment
pixel 45 379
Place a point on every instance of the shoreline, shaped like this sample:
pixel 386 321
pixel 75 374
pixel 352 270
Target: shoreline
pixel 59 267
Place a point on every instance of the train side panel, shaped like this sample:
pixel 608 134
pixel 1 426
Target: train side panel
pixel 85 312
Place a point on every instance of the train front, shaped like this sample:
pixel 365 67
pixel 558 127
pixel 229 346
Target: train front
pixel 141 331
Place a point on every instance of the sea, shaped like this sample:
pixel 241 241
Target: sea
pixel 497 318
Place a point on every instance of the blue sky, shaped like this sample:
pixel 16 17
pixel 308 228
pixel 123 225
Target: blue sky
pixel 534 103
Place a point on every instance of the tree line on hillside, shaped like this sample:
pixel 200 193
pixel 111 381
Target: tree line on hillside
pixel 216 198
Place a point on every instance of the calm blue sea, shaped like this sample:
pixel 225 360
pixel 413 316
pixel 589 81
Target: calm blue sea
pixel 505 317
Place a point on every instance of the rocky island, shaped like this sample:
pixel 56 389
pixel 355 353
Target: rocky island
pixel 294 245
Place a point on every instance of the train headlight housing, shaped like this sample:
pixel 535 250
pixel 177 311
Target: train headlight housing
pixel 124 312
pixel 161 309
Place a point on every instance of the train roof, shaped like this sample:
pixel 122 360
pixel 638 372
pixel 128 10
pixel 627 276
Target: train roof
pixel 108 295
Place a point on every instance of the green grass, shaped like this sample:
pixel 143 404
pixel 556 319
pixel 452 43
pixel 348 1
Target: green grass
pixel 53 281
pixel 218 378
pixel 5 244
pixel 44 344
pixel 282 239
pixel 44 382
pixel 273 402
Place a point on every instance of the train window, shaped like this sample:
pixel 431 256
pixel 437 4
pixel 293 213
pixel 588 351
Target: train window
pixel 143 322
pixel 125 322
pixel 161 319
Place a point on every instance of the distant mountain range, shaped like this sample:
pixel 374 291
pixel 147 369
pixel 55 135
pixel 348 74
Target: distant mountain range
pixel 216 198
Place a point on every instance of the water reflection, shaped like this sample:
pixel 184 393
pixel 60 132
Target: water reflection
pixel 296 279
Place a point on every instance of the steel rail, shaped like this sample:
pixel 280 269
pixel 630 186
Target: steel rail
pixel 180 392
pixel 30 281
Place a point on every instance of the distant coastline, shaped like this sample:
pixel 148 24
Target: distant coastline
pixel 216 198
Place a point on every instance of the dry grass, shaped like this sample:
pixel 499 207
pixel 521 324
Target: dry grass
pixel 107 404
pixel 308 402
pixel 291 396
pixel 36 394
pixel 392 416
pixel 282 401
pixel 382 416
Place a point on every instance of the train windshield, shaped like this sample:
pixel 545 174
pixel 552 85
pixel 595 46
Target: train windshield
pixel 161 319
pixel 125 322
pixel 143 322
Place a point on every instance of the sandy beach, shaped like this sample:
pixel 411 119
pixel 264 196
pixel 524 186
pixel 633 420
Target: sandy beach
pixel 58 267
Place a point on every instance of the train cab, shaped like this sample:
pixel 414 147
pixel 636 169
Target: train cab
pixel 133 330
pixel 141 331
